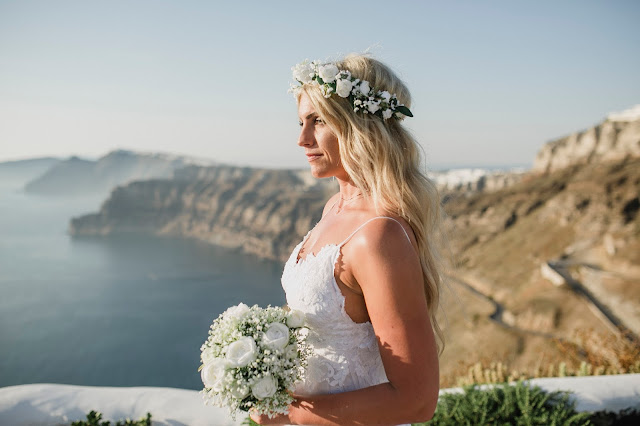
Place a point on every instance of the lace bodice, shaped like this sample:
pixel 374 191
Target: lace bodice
pixel 345 353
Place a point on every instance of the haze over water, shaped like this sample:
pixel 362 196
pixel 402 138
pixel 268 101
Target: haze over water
pixel 117 311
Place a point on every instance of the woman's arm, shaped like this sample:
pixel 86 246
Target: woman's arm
pixel 387 268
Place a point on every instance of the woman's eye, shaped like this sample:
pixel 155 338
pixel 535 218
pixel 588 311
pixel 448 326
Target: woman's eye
pixel 319 121
pixel 300 123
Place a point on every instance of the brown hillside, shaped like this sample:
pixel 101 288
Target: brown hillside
pixel 584 216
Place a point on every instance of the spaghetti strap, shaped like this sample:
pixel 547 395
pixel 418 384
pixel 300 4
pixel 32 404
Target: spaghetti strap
pixel 374 218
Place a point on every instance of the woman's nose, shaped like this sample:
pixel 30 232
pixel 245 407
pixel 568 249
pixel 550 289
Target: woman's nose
pixel 306 137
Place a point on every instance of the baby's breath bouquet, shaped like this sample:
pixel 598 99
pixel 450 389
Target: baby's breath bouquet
pixel 252 359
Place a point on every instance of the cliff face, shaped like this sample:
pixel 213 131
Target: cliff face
pixel 259 211
pixel 585 216
pixel 264 212
pixel 79 177
pixel 614 139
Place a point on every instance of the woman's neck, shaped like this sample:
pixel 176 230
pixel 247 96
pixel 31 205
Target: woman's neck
pixel 348 190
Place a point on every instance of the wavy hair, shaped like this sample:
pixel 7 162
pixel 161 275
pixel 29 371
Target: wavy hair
pixel 383 160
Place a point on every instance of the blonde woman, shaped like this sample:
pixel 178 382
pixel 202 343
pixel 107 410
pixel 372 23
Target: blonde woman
pixel 366 275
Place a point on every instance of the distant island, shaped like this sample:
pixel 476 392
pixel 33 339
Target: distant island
pixel 77 177
pixel 18 172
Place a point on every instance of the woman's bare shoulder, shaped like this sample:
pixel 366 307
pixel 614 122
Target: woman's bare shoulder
pixel 386 229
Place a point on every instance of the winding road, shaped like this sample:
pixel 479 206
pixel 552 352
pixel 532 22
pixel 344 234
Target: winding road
pixel 561 267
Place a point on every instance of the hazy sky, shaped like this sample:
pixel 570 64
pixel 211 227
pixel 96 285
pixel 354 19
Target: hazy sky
pixel 491 80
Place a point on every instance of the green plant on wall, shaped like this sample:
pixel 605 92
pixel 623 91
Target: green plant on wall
pixel 94 418
pixel 518 404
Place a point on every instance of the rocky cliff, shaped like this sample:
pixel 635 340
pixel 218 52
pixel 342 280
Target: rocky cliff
pixel 614 139
pixel 79 177
pixel 587 214
pixel 259 211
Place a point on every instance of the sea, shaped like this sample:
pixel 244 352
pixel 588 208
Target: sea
pixel 111 311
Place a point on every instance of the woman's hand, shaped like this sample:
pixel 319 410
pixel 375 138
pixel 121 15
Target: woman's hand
pixel 263 419
pixel 279 419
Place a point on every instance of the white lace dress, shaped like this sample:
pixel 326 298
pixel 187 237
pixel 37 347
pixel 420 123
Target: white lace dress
pixel 345 353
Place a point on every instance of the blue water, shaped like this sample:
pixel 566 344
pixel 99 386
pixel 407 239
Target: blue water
pixel 116 311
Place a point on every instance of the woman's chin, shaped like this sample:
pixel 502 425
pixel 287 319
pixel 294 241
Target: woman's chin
pixel 317 172
pixel 320 174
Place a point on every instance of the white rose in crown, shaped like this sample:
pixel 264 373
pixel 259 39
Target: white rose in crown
pixel 343 88
pixel 295 318
pixel 331 80
pixel 328 72
pixel 264 388
pixel 303 72
pixel 242 352
pixel 213 373
pixel 365 88
pixel 236 313
pixel 373 106
pixel 276 336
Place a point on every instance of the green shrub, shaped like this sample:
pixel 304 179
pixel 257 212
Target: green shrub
pixel 519 404
pixel 94 419
pixel 626 417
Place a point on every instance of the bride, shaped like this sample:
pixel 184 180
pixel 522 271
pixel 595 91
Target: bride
pixel 366 275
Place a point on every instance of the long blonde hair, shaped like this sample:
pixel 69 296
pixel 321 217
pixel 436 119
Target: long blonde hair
pixel 383 160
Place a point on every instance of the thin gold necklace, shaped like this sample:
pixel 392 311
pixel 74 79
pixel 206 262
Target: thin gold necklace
pixel 346 201
pixel 359 194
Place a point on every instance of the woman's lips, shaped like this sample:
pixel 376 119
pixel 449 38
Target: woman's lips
pixel 313 157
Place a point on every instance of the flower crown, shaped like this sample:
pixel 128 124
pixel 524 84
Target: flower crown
pixel 359 92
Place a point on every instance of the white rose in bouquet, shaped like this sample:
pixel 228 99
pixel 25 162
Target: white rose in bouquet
pixel 264 388
pixel 295 318
pixel 208 355
pixel 240 391
pixel 291 351
pixel 236 313
pixel 276 336
pixel 241 352
pixel 214 373
pixel 253 358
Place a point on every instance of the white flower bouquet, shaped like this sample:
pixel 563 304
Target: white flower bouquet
pixel 252 359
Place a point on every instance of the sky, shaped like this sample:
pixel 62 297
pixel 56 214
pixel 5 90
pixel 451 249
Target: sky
pixel 491 81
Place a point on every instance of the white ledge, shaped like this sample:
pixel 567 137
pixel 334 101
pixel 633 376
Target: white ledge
pixel 51 404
